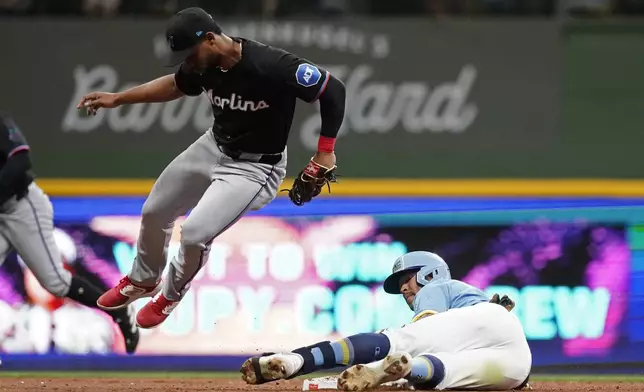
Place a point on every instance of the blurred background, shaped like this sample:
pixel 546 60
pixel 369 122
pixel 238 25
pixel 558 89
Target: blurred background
pixel 505 135
pixel 291 8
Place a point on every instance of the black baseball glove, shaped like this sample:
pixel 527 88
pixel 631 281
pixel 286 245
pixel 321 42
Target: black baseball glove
pixel 504 301
pixel 309 183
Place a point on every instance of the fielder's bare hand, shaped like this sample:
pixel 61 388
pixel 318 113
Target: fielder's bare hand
pixel 96 100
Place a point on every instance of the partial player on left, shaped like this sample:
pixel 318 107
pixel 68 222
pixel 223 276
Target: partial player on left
pixel 26 226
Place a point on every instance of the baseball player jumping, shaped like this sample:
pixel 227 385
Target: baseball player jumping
pixel 26 225
pixel 236 166
pixel 457 339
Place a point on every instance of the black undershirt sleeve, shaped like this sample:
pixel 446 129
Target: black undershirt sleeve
pixel 332 104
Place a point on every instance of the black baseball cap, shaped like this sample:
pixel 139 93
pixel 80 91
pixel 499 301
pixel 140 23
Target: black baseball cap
pixel 186 29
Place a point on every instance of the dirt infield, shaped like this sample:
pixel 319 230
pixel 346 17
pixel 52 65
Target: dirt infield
pixel 229 384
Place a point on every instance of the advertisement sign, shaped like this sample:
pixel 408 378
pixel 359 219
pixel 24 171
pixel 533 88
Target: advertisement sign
pixel 275 283
pixel 429 99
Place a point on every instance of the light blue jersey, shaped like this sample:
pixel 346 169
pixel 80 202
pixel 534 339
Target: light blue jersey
pixel 450 294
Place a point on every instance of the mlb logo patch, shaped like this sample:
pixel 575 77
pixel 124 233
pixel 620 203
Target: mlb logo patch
pixel 307 75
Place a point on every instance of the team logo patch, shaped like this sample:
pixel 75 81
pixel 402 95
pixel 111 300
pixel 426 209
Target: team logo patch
pixel 307 75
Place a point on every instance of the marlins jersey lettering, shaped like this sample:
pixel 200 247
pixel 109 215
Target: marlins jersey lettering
pixel 253 102
pixel 442 296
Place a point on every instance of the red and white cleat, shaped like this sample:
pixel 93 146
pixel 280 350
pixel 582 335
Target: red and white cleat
pixel 155 312
pixel 124 293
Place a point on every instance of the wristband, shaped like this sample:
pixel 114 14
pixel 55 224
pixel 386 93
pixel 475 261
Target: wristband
pixel 326 144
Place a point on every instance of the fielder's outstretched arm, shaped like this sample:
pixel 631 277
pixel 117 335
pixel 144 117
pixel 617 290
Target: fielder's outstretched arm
pixel 162 89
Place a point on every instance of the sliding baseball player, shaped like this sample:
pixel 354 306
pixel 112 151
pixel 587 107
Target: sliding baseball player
pixel 458 338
